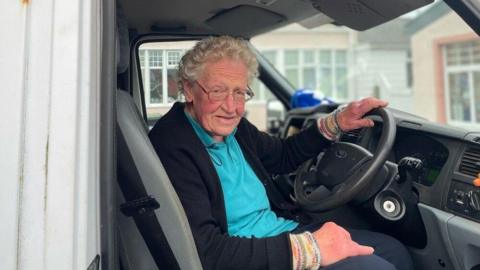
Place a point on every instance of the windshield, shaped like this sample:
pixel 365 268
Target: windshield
pixel 426 63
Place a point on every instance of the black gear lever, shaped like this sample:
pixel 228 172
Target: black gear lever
pixel 409 167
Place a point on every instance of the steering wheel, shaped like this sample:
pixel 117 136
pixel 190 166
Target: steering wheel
pixel 344 171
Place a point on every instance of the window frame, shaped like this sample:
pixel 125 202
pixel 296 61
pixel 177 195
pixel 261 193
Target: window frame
pixel 469 69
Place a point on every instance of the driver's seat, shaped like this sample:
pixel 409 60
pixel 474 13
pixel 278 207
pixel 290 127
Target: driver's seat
pixel 148 197
pixel 153 230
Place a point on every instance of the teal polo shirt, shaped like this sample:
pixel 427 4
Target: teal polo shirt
pixel 246 202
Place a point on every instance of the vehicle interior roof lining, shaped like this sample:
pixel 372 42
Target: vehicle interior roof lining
pixel 366 14
pixel 173 16
pixel 243 18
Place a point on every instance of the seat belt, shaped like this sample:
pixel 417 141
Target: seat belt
pixel 141 206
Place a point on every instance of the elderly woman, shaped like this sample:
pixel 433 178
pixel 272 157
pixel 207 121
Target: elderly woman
pixel 220 165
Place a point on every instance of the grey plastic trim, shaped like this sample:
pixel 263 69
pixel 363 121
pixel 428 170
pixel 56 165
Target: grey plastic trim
pixel 453 239
pixel 107 166
pixel 465 239
pixel 438 242
pixel 171 215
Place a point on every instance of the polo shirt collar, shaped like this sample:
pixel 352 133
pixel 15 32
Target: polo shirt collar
pixel 206 138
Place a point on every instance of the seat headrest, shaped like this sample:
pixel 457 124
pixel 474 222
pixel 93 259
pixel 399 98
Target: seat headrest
pixel 122 41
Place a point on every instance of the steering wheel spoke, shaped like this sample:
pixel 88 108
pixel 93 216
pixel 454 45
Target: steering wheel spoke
pixel 319 193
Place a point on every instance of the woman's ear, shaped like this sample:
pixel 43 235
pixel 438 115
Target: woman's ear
pixel 187 90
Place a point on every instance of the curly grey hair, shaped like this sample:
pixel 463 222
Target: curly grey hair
pixel 213 49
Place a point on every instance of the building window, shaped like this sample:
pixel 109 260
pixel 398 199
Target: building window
pixel 155 63
pixel 409 70
pixel 155 58
pixel 462 68
pixel 262 93
pixel 174 58
pixel 158 66
pixel 325 71
pixel 309 69
pixel 340 77
pixel 292 67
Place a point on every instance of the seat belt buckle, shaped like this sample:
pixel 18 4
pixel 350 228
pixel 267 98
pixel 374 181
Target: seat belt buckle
pixel 139 206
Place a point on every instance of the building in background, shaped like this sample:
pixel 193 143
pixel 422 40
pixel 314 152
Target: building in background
pixel 158 63
pixel 343 64
pixel 446 53
pixel 382 64
pixel 316 59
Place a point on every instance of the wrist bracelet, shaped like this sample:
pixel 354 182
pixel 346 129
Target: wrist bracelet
pixel 335 118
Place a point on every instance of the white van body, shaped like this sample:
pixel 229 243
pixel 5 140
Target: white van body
pixel 49 140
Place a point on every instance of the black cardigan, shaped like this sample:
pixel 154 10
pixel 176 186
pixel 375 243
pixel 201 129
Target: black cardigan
pixel 195 179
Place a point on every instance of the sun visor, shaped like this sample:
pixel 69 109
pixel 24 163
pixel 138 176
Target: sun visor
pixel 365 14
pixel 244 20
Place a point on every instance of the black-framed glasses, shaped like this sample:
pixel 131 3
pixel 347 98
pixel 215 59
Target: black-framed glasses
pixel 221 94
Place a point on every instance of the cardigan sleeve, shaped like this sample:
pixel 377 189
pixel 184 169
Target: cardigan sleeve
pixel 282 156
pixel 217 250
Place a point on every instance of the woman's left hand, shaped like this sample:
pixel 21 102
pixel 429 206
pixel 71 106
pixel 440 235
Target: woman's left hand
pixel 351 117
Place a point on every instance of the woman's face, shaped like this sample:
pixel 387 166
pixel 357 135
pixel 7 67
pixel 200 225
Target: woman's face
pixel 219 118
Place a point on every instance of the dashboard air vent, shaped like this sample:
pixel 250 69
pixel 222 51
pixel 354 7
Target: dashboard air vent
pixel 353 136
pixel 470 163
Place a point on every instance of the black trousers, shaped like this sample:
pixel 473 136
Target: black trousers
pixel 389 253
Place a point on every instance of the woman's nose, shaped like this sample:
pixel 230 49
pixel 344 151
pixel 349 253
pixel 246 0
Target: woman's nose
pixel 229 103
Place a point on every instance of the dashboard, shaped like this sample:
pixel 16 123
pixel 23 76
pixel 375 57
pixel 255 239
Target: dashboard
pixel 449 157
pixel 432 154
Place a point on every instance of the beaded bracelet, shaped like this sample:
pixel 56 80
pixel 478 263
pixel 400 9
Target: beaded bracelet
pixel 305 252
pixel 335 117
pixel 329 126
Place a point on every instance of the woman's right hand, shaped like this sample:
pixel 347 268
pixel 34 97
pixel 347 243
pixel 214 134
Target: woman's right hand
pixel 335 244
